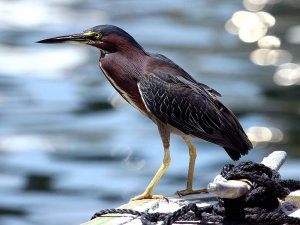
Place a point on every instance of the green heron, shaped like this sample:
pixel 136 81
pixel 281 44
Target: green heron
pixel 166 94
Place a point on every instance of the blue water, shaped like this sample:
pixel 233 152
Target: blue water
pixel 70 146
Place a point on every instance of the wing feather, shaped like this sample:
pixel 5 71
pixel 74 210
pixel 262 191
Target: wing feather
pixel 175 103
pixel 193 110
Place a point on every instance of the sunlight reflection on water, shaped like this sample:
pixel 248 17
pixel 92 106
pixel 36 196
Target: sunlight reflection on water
pixel 47 63
pixel 253 27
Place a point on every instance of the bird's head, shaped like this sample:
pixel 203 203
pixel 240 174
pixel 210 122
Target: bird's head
pixel 107 38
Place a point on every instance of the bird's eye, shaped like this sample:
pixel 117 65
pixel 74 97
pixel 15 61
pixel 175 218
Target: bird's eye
pixel 97 36
pixel 92 35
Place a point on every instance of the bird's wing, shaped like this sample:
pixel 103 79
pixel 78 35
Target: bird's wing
pixel 183 105
pixel 185 75
pixel 194 111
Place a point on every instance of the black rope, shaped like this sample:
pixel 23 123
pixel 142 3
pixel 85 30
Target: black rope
pixel 259 206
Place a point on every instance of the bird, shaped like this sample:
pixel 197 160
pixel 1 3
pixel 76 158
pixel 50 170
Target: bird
pixel 164 92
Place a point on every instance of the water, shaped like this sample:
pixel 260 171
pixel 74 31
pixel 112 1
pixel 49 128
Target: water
pixel 69 146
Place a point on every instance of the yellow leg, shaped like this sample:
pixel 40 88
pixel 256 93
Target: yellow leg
pixel 164 166
pixel 193 155
pixel 165 137
pixel 189 185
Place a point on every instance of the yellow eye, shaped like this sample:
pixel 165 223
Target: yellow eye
pixel 97 36
pixel 92 34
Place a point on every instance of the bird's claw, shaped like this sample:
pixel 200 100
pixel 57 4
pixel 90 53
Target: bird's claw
pixel 148 196
pixel 191 192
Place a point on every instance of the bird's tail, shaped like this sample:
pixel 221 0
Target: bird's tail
pixel 238 142
pixel 234 154
pixel 239 145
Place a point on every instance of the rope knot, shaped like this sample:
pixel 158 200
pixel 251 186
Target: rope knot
pixel 259 206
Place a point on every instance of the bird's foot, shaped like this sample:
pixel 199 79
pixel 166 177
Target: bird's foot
pixel 148 196
pixel 191 192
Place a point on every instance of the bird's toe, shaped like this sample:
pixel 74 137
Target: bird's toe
pixel 147 196
pixel 191 192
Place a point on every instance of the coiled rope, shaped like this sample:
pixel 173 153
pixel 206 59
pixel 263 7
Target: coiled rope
pixel 259 206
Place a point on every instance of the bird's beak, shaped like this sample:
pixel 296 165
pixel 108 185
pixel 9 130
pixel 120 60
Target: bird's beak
pixel 67 39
